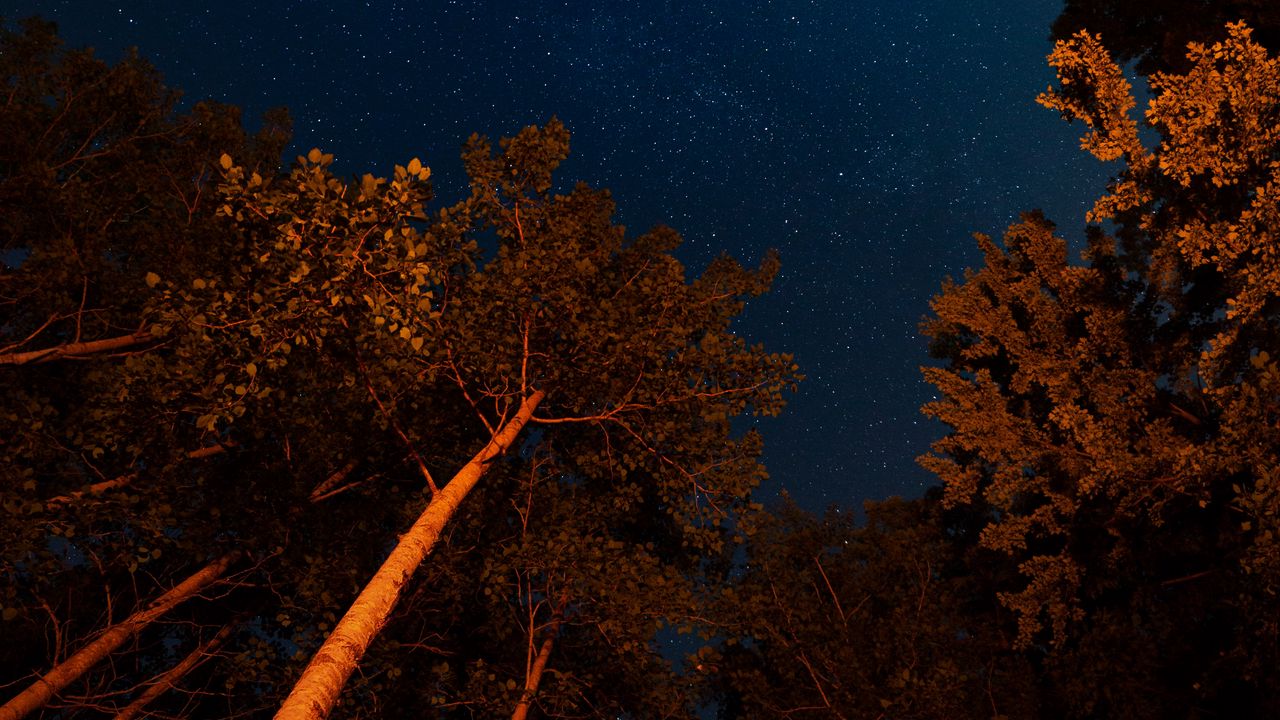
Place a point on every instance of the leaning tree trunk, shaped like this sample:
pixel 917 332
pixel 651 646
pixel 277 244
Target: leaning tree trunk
pixel 174 674
pixel 66 672
pixel 77 349
pixel 534 676
pixel 316 692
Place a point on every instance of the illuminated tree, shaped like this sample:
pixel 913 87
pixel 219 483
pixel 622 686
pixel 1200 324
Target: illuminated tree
pixel 1116 417
pixel 630 373
pixel 246 384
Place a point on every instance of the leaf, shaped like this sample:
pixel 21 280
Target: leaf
pixel 152 279
pixel 415 166
pixel 252 369
pixel 315 155
pixel 225 161
pixel 9 613
pixel 416 343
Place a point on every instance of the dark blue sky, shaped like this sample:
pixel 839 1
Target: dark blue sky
pixel 865 140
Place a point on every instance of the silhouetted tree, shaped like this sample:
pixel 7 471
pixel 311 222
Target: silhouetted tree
pixel 830 620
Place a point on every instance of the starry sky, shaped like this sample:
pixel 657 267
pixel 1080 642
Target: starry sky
pixel 866 140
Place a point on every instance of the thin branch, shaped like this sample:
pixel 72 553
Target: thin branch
pixel 830 589
pixel 30 337
pixel 462 385
pixel 321 491
pixel 1187 578
pixel 84 295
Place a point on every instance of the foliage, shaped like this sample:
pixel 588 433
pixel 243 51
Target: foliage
pixel 833 620
pixel 101 179
pixel 1112 416
pixel 1155 34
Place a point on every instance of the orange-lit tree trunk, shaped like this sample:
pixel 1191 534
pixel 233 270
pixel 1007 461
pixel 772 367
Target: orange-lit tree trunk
pixel 76 349
pixel 321 683
pixel 534 676
pixel 171 676
pixel 66 672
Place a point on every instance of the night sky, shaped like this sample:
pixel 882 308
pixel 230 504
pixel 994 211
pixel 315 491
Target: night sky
pixel 865 140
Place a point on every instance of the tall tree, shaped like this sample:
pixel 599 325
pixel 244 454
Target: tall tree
pixel 575 329
pixel 102 176
pixel 1112 416
pixel 287 366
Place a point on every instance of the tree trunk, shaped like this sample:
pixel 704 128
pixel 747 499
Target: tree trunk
pixel 321 683
pixel 327 487
pixel 534 676
pixel 66 672
pixel 175 673
pixel 77 349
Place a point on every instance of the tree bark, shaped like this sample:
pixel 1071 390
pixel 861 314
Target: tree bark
pixel 66 672
pixel 317 690
pixel 534 677
pixel 171 676
pixel 76 349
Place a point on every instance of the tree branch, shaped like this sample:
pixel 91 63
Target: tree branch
pixel 77 349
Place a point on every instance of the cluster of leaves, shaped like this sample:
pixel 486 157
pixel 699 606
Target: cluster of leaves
pixel 1155 34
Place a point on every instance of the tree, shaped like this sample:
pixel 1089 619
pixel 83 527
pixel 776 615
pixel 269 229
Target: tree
pixel 888 619
pixel 102 177
pixel 574 329
pixel 71 669
pixel 1111 417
